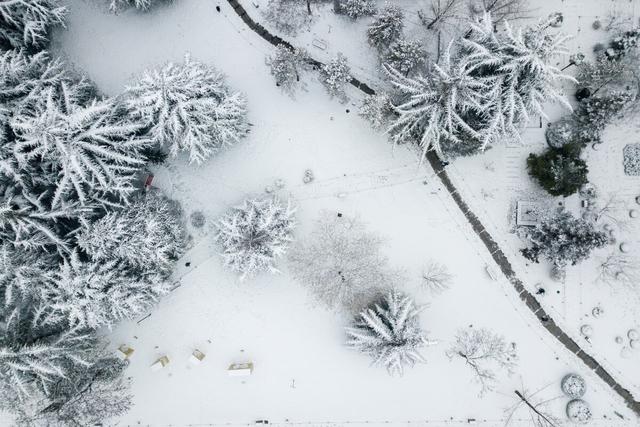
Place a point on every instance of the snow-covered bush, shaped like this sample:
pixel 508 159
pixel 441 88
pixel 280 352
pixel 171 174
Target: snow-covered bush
pixel 631 158
pixel 563 239
pixel 254 234
pixel 341 262
pixel 26 23
pixel 560 171
pixel 144 5
pixel 355 8
pixel 147 235
pixel 377 109
pixel 386 27
pixel 389 331
pixel 574 386
pixel 188 107
pixel 335 75
pixel 485 353
pixel 92 294
pixel 606 75
pixel 286 66
pixel 622 44
pixel 578 411
pixel 562 132
pixel 405 56
pixel 595 113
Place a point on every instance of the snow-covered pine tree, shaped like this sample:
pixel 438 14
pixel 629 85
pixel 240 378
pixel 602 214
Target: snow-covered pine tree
pixel 35 351
pixel 356 8
pixel 560 171
pixel 148 235
pixel 377 109
pixel 254 234
pixel 520 62
pixel 188 107
pixel 437 107
pixel 386 27
pixel 405 56
pixel 94 154
pixel 335 75
pixel 26 23
pixel 563 239
pixel 286 66
pixel 389 331
pixel 87 396
pixel 91 294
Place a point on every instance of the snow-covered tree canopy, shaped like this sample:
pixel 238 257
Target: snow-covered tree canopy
pixel 286 66
pixel 342 263
pixel 355 8
pixel 563 239
pixel 405 56
pixel 490 85
pixel 254 234
pixel 389 331
pixel 26 23
pixel 386 27
pixel 335 75
pixel 188 107
pixel 91 294
pixel 144 5
pixel 147 235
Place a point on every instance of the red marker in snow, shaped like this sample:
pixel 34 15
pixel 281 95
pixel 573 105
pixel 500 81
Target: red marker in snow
pixel 148 181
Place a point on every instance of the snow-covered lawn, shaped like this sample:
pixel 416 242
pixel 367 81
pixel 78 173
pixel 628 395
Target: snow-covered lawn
pixel 303 371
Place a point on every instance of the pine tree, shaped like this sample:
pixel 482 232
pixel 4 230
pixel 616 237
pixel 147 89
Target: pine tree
pixel 377 109
pixel 94 154
pixel 92 294
pixel 254 234
pixel 389 331
pixel 148 235
pixel 26 23
pixel 405 56
pixel 335 75
pixel 386 27
pixel 563 239
pixel 560 171
pixel 143 5
pixel 286 66
pixel 188 107
pixel 437 107
pixel 356 8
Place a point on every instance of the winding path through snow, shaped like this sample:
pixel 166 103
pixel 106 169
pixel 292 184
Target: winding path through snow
pixel 494 249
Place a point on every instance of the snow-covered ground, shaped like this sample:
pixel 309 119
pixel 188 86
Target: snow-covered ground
pixel 303 372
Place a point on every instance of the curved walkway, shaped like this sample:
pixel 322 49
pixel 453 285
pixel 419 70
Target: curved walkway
pixel 494 249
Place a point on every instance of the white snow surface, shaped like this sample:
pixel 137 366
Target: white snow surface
pixel 302 370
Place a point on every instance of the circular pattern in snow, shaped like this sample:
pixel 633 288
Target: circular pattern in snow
pixel 578 411
pixel 586 330
pixel 634 344
pixel 573 385
pixel 619 340
pixel 633 334
pixel 624 247
pixel 597 311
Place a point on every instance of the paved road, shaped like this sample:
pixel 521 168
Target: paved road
pixel 494 249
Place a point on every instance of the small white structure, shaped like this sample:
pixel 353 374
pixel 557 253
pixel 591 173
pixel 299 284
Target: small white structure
pixel 320 44
pixel 527 214
pixel 586 330
pixel 124 352
pixel 491 272
pixel 240 369
pixel 160 363
pixel 196 357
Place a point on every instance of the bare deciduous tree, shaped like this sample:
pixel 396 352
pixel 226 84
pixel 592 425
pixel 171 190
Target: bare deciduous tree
pixel 504 10
pixel 485 352
pixel 436 277
pixel 619 268
pixel 440 15
pixel 536 408
pixel 342 263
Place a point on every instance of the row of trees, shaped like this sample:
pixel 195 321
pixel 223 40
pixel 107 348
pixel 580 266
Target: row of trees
pixel 81 246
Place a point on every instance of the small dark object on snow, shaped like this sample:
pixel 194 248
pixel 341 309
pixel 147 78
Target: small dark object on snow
pixel 544 318
pixel 218 8
pixel 583 93
pixel 596 24
pixel 347 110
pixel 540 291
pixel 187 264
pixel 339 215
